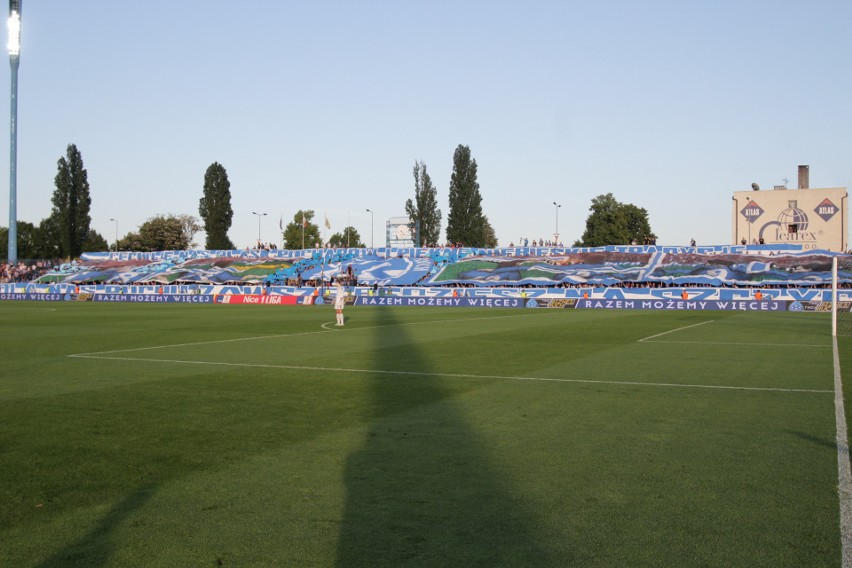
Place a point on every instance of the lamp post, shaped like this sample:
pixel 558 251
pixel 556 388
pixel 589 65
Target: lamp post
pixel 116 233
pixel 259 215
pixel 371 227
pixel 14 45
pixel 556 232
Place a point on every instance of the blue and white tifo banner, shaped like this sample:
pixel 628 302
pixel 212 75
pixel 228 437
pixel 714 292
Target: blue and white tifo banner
pixel 440 302
pixel 549 267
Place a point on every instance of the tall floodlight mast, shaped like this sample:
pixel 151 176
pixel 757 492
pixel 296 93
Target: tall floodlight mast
pixel 14 45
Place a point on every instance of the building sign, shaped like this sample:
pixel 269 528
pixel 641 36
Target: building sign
pixel 752 211
pixel 826 209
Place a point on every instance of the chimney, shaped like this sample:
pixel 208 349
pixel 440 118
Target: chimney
pixel 804 177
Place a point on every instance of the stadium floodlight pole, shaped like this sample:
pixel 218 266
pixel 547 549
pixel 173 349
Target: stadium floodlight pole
pixel 14 45
pixel 371 227
pixel 116 233
pixel 556 233
pixel 259 215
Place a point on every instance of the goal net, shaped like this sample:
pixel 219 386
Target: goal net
pixel 841 295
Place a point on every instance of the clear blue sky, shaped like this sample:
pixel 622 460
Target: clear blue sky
pixel 671 106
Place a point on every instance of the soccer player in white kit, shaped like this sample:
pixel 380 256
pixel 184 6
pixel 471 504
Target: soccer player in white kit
pixel 339 301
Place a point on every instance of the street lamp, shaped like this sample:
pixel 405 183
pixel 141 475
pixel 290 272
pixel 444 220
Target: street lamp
pixel 14 45
pixel 259 215
pixel 556 233
pixel 116 233
pixel 371 227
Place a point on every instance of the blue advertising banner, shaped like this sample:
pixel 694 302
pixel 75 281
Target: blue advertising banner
pixel 35 297
pixel 440 302
pixel 671 304
pixel 155 298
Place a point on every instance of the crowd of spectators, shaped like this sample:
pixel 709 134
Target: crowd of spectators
pixel 23 272
pixel 264 246
pixel 524 242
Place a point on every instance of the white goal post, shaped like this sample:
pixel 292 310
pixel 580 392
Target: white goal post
pixel 841 316
pixel 834 297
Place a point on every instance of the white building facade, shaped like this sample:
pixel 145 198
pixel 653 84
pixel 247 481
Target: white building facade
pixel 813 218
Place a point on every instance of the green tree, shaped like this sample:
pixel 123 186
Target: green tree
pixel 349 238
pixel 163 232
pixel 638 226
pixel 95 242
pixel 27 241
pixel 490 235
pixel 465 221
pixel 424 208
pixel 189 227
pixel 49 240
pixel 302 230
pixel 130 242
pixel 614 223
pixel 71 202
pixel 42 241
pixel 215 207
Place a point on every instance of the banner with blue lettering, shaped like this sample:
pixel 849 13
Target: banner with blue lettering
pixel 439 302
pixel 155 298
pixel 683 305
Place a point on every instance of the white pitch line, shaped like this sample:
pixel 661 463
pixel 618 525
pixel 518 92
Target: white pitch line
pixel 450 375
pixel 674 330
pixel 844 475
pixel 196 343
pixel 738 343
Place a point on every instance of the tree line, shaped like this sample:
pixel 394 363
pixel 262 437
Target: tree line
pixel 66 232
pixel 610 222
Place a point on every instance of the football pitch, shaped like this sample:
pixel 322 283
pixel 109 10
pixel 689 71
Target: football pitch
pixel 195 435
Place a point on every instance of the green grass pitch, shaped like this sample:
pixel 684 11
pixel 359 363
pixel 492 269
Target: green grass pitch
pixel 179 435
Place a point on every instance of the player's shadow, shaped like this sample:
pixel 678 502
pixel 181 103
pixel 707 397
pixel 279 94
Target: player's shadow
pixel 832 444
pixel 96 547
pixel 423 490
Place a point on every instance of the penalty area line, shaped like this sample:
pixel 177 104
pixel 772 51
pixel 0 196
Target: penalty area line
pixel 450 375
pixel 673 331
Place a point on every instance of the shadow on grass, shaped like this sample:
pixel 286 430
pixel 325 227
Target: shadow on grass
pixel 95 549
pixel 423 489
pixel 832 444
